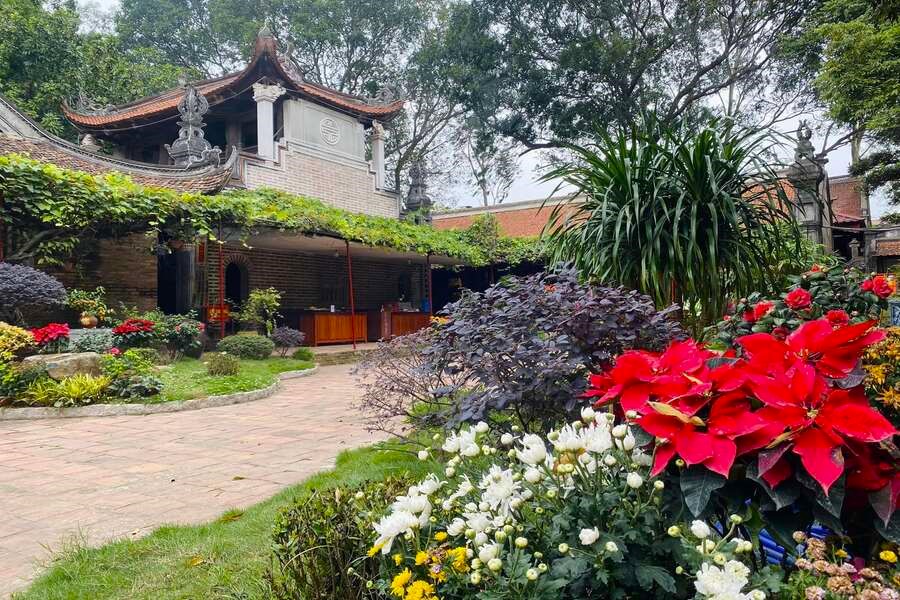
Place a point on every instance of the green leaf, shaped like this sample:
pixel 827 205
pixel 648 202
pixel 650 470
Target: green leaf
pixel 647 575
pixel 697 485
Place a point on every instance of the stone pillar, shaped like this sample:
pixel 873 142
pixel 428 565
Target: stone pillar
pixel 265 96
pixel 376 138
pixel 808 177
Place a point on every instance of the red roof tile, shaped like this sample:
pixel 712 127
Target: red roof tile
pixel 265 62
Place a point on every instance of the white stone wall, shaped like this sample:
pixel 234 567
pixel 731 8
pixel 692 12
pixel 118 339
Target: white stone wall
pixel 346 184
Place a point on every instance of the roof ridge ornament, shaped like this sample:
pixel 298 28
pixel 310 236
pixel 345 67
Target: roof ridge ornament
pixel 86 106
pixel 385 95
pixel 191 149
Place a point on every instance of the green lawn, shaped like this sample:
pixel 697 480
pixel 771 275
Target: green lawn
pixel 187 378
pixel 223 559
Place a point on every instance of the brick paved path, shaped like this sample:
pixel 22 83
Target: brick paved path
pixel 107 477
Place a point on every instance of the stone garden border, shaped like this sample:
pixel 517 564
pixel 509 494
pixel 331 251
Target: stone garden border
pixel 118 410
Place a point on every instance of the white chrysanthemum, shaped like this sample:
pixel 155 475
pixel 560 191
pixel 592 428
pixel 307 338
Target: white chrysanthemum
pixel 478 521
pixel 533 475
pixel 700 529
pixel 392 525
pixel 533 451
pixel 634 480
pixel 488 552
pixel 597 438
pixel 724 583
pixel 456 527
pixel 430 485
pixel 414 502
pixel 568 440
pixel 507 439
pixel 588 414
pixel 482 427
pixel 499 488
pixel 589 536
pixel 641 458
pixel 463 440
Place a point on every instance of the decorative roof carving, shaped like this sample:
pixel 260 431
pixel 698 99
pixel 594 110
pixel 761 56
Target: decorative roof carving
pixel 804 147
pixel 385 95
pixel 86 106
pixel 191 148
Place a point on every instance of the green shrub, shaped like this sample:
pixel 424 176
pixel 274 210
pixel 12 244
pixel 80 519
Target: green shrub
pixel 247 346
pixel 77 390
pixel 220 363
pixel 304 354
pixel 136 386
pixel 15 379
pixel 95 341
pixel 261 310
pixel 151 355
pixel 321 537
pixel 124 365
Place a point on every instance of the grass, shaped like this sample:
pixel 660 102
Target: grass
pixel 224 559
pixel 187 378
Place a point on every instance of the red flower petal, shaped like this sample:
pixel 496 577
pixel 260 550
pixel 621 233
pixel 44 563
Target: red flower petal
pixel 694 447
pixel 855 420
pixel 724 453
pixel 664 454
pixel 821 456
pixel 778 473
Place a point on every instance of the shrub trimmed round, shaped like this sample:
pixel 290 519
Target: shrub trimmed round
pixel 247 346
pixel 219 364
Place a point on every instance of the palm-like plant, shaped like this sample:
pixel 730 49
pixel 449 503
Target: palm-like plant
pixel 690 217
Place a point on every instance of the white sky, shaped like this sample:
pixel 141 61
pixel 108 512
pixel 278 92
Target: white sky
pixel 526 186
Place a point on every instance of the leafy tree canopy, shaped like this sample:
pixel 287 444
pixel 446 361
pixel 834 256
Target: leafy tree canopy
pixel 859 81
pixel 546 71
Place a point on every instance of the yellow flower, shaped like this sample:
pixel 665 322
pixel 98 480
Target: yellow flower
pixel 841 553
pixel 440 536
pixel 420 590
pixel 375 550
pixel 888 556
pixel 398 559
pixel 458 559
pixel 399 582
pixel 421 557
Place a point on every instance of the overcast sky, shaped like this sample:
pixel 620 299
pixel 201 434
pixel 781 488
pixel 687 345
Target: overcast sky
pixel 526 186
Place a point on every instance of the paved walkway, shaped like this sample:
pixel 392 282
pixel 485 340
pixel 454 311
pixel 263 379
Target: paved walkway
pixel 107 477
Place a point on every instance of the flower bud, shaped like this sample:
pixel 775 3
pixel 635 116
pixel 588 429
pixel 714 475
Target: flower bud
pixel 495 564
pixel 449 471
pixel 658 485
pixel 674 531
pixel 482 427
pixel 500 536
pixel 736 519
pixel 475 578
pixel 542 567
pixel 531 574
pixel 521 542
pixel 563 548
pixel 423 454
pixel 611 547
pixel 679 570
pixel 620 431
pixel 631 414
pixel 507 439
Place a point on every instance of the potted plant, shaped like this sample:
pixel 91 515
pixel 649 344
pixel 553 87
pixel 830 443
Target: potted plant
pixel 90 305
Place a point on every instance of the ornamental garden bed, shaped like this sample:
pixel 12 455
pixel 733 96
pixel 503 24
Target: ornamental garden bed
pixel 144 358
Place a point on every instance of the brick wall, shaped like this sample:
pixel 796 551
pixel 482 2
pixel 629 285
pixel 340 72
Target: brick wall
pixel 307 280
pixel 125 267
pixel 340 183
pixel 515 221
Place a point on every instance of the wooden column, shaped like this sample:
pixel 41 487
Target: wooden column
pixel 352 303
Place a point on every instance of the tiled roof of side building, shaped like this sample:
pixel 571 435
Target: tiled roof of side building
pixel 202 180
pixel 266 62
pixel 19 134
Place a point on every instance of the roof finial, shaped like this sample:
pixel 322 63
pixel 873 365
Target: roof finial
pixel 191 148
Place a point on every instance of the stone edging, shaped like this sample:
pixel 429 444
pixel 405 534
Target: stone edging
pixel 116 410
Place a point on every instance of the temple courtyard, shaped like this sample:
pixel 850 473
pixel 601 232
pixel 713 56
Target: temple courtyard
pixel 90 480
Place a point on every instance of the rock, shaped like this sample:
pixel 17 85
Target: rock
pixel 60 366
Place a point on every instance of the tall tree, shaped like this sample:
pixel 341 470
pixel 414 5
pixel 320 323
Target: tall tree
pixel 38 47
pixel 545 71
pixel 211 36
pixel 859 83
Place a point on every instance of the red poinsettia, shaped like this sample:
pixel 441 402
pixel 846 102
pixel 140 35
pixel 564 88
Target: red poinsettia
pixel 798 299
pixel 710 443
pixel 133 326
pixel 50 333
pixel 639 376
pixel 833 351
pixel 814 422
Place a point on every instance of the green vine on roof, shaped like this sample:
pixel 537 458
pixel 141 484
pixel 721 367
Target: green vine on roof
pixel 47 209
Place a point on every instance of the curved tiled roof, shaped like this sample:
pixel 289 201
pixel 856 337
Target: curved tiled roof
pixel 205 180
pixel 266 62
pixel 20 135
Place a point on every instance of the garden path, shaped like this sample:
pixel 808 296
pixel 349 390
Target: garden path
pixel 100 478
